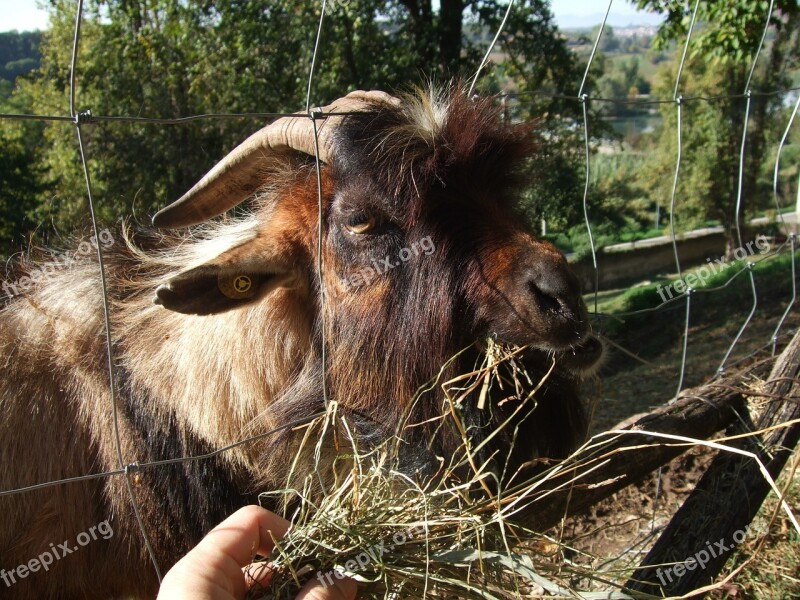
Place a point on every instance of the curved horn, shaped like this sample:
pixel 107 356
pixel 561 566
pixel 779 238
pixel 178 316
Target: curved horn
pixel 237 176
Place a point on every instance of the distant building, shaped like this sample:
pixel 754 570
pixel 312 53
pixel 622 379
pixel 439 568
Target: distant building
pixel 635 31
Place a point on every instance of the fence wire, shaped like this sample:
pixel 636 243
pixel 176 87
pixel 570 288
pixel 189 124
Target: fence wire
pixel 584 97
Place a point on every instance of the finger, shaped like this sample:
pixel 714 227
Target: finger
pixel 232 544
pixel 258 574
pixel 341 589
pixel 249 530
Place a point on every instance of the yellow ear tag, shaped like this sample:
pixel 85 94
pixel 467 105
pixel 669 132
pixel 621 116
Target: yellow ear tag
pixel 237 287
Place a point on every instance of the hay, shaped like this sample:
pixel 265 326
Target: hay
pixel 447 536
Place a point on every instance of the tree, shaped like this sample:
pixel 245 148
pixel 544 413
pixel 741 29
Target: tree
pixel 620 81
pixel 19 179
pixel 19 53
pixel 723 47
pixel 176 58
pixel 711 133
pixel 545 74
pixel 608 42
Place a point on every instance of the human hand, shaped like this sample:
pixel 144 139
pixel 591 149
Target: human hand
pixel 215 568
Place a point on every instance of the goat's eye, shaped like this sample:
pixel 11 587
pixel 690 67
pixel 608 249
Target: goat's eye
pixel 361 223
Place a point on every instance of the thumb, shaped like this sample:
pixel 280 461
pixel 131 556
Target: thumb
pixel 341 589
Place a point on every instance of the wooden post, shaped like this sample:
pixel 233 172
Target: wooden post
pixel 716 515
pixel 626 459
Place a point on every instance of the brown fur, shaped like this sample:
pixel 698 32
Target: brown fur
pixel 441 167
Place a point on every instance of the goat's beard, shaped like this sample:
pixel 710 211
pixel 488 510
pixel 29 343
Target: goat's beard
pixel 500 412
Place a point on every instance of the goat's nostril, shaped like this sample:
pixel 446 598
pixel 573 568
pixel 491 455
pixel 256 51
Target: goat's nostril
pixel 545 301
pixel 552 290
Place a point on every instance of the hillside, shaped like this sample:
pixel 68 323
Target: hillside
pixel 19 55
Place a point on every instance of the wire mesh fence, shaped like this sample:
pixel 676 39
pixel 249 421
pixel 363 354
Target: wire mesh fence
pixel 584 96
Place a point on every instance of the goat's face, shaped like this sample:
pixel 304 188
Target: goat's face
pixel 423 230
pixel 465 249
pixel 423 253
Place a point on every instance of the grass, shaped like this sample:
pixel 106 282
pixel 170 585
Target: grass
pixel 645 336
pixel 768 566
pixel 652 294
pixel 635 236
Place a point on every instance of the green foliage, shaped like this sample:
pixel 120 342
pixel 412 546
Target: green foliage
pixel 619 208
pixel 15 45
pixel 621 81
pixel 723 47
pixel 726 31
pixel 775 272
pixel 546 74
pixel 176 58
pixel 15 68
pixel 19 187
pixel 19 55
pixel 710 133
pixel 17 196
pixel 609 42
pixel 617 194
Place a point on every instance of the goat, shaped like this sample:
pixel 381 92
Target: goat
pixel 232 345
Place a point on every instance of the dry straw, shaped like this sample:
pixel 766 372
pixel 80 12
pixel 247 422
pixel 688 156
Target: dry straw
pixel 445 536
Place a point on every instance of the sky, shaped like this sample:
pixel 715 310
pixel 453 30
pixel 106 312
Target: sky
pixel 25 15
pixel 587 13
pixel 22 15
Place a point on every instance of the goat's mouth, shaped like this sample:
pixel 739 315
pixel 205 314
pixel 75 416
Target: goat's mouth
pixel 582 359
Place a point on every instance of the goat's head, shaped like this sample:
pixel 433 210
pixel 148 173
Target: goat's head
pixel 423 251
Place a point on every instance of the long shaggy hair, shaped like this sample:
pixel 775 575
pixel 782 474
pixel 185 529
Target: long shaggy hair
pixel 440 167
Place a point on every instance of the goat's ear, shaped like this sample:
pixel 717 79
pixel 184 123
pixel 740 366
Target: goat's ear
pixel 234 278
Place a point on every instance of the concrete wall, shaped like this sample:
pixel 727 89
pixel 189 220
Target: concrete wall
pixel 627 263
